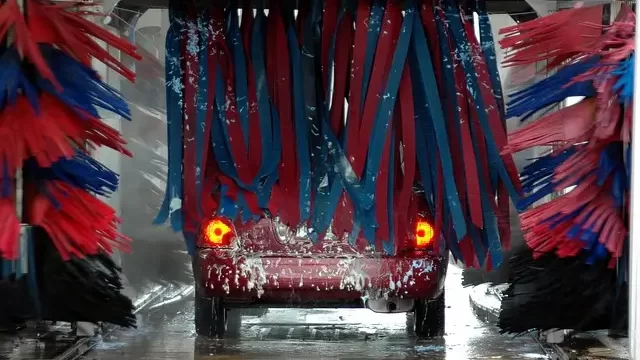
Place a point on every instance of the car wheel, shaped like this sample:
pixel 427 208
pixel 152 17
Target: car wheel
pixel 210 317
pixel 428 318
pixel 234 322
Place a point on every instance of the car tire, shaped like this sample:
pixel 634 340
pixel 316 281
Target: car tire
pixel 210 317
pixel 428 318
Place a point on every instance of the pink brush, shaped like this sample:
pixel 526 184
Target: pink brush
pixel 572 124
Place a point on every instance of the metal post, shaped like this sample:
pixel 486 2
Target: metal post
pixel 634 218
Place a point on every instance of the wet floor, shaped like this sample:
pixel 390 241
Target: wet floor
pixel 319 334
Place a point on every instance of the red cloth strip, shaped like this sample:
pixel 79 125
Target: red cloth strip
pixel 246 25
pixel 343 222
pixel 255 134
pixel 342 56
pixel 394 16
pixel 427 16
pixel 329 25
pixel 304 7
pixel 357 77
pixel 356 94
pixel 210 174
pixel 245 171
pixel 474 124
pixel 439 204
pixel 406 136
pixel 234 127
pixel 286 195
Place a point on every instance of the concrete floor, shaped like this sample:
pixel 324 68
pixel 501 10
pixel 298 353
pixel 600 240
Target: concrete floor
pixel 319 334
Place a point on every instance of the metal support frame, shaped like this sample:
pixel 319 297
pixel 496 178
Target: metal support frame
pixel 493 6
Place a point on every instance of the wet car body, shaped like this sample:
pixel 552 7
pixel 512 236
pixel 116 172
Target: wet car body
pixel 267 264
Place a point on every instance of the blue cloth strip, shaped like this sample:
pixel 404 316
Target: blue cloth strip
pixel 234 42
pixel 301 127
pixel 426 150
pixel 202 109
pixel 387 103
pixel 424 70
pixel 490 234
pixel 329 190
pixel 172 204
pixel 269 119
pixel 269 123
pixel 373 33
pixel 489 52
pixel 389 240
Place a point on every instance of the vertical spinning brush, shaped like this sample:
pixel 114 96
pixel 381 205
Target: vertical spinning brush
pixel 576 239
pixel 48 83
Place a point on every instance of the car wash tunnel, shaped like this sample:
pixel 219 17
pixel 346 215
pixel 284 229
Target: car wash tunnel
pixel 319 179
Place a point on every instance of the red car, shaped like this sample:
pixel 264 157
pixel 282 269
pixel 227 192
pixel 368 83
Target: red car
pixel 265 264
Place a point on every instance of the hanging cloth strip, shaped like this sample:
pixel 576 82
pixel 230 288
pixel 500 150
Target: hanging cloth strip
pixel 234 119
pixel 362 51
pixel 204 117
pixel 474 210
pixel 247 159
pixel 442 65
pixel 269 121
pixel 191 50
pixel 239 101
pixel 172 205
pixel 487 241
pixel 367 132
pixel 476 72
pixel 405 175
pixel 300 111
pixel 376 168
pixel 384 179
pixel 364 209
pixel 487 46
pixel 493 130
pixel 330 120
pixel 286 194
pixel 456 94
pixel 423 68
pixel 330 24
